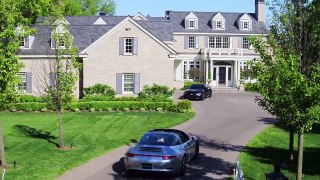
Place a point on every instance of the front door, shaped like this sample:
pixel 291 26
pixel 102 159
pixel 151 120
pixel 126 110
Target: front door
pixel 222 76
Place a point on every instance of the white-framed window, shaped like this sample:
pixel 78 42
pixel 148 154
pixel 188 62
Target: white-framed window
pixel 245 43
pixel 191 24
pixel 22 87
pixel 187 66
pixel 128 45
pixel 128 82
pixel 61 43
pixel 219 42
pixel 22 43
pixel 246 25
pixel 192 42
pixel 219 24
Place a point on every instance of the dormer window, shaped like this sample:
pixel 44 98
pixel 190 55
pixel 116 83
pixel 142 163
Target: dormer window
pixel 191 21
pixel 218 22
pixel 22 43
pixel 26 43
pixel 245 22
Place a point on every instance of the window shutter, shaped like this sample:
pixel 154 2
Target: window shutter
pixel 136 83
pixel 223 24
pixel 250 25
pixel 29 82
pixel 196 24
pixel 121 46
pixel 230 44
pixel 214 24
pixel 135 45
pixel 119 83
pixel 240 42
pixel 187 25
pixel 53 43
pixel 206 41
pixel 186 42
pixel 26 42
pixel 241 25
pixel 197 41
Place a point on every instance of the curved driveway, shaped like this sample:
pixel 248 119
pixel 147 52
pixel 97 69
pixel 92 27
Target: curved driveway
pixel 224 124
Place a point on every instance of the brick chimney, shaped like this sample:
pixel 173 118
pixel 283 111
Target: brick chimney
pixel 260 10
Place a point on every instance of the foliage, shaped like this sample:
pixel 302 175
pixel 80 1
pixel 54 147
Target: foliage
pixel 122 105
pixel 184 106
pixel 29 98
pixel 26 106
pixel 288 75
pixel 250 87
pixel 193 73
pixel 89 134
pixel 13 28
pixel 88 7
pixel 100 89
pixel 155 93
pixel 187 84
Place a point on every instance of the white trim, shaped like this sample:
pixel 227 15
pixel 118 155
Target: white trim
pixel 119 25
pixel 208 34
pixel 139 15
pixel 100 21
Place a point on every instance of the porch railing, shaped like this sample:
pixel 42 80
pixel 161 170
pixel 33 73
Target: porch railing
pixel 223 51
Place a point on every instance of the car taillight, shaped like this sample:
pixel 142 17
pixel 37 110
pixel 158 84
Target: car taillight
pixel 130 155
pixel 168 157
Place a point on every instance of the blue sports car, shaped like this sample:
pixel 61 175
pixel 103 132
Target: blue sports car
pixel 162 150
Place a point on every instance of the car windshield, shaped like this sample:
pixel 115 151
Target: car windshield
pixel 197 86
pixel 158 139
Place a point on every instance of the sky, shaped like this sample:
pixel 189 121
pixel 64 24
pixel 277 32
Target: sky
pixel 157 8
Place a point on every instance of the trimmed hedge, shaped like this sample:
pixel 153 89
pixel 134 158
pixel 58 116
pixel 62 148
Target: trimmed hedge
pixel 183 106
pixel 187 84
pixel 27 106
pixel 124 105
pixel 91 98
pixel 28 98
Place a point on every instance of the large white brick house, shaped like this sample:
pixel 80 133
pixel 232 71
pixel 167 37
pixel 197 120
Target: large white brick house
pixel 128 52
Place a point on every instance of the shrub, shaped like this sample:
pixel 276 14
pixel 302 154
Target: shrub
pixel 184 106
pixel 187 84
pixel 89 98
pixel 100 89
pixel 27 106
pixel 250 87
pixel 155 93
pixel 29 98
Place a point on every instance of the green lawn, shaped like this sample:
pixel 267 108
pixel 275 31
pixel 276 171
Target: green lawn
pixel 31 139
pixel 271 146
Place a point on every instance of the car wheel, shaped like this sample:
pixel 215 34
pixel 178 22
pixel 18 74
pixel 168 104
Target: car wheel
pixel 210 95
pixel 183 167
pixel 196 153
pixel 203 96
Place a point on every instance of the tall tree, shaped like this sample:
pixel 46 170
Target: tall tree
pixel 13 30
pixel 88 7
pixel 288 73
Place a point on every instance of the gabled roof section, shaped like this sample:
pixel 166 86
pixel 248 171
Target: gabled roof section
pixel 244 17
pixel 100 21
pixel 61 21
pixel 127 19
pixel 139 16
pixel 218 16
pixel 191 15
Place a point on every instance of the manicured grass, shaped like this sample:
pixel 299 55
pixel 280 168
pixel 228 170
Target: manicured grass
pixel 271 146
pixel 31 139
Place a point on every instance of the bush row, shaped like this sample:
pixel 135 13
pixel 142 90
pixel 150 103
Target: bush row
pixel 250 87
pixel 183 106
pixel 89 98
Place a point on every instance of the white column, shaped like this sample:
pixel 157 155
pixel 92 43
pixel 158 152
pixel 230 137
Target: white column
pixel 211 66
pixel 206 71
pixel 235 68
pixel 238 72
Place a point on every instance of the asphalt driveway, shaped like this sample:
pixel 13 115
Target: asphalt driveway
pixel 224 124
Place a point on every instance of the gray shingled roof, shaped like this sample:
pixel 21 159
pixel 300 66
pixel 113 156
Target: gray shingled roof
pixel 204 23
pixel 85 33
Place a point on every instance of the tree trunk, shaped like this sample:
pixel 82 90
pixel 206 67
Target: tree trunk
pixel 3 154
pixel 291 143
pixel 300 156
pixel 60 128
